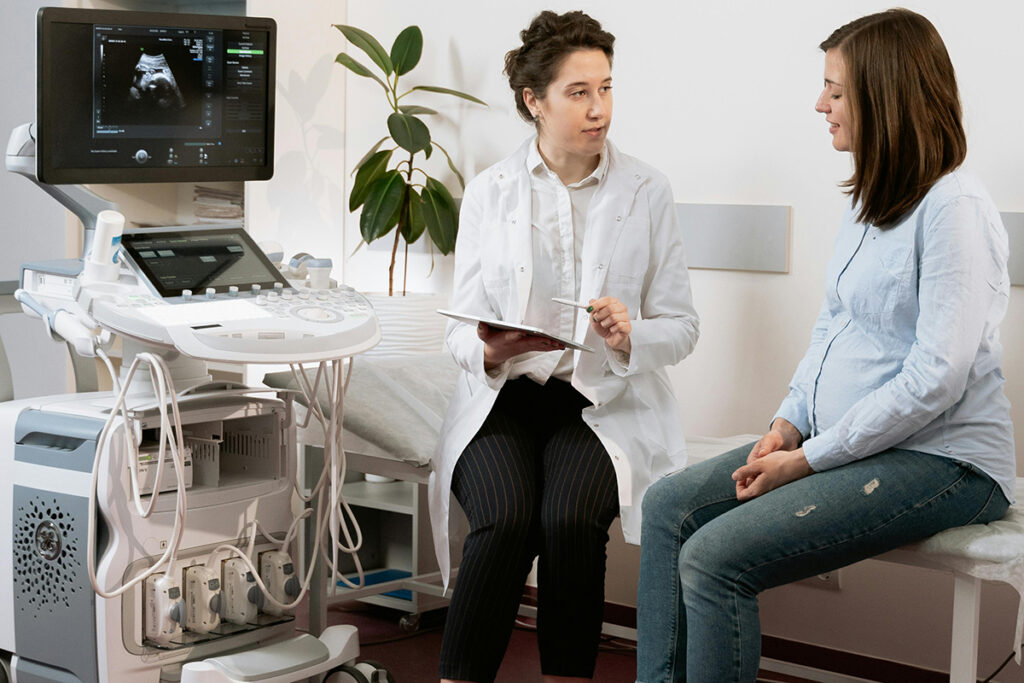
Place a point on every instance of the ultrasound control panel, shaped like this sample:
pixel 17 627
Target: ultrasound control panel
pixel 318 306
pixel 214 295
pixel 286 326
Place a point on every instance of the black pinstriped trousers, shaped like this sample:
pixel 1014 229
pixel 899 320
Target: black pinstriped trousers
pixel 535 480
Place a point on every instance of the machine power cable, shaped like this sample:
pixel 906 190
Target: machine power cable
pixel 170 436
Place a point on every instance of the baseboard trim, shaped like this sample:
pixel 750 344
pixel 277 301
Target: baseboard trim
pixel 812 662
pixel 846 663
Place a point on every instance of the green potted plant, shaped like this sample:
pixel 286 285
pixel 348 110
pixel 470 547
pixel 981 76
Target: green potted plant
pixel 394 192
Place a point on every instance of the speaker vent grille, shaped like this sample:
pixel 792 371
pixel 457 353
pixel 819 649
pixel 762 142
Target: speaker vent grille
pixel 46 552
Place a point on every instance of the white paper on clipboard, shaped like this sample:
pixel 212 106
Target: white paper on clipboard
pixel 471 319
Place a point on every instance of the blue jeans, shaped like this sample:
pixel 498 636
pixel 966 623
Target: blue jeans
pixel 705 556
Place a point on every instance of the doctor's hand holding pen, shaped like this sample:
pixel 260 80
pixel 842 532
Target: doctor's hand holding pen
pixel 609 318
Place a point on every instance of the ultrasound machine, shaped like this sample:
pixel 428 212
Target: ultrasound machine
pixel 150 532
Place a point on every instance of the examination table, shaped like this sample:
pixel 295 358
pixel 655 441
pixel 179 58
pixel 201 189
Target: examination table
pixel 393 413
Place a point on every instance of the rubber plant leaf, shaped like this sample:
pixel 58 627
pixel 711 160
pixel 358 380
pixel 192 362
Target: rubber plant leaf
pixel 440 216
pixel 358 69
pixel 411 224
pixel 449 91
pixel 368 44
pixel 416 110
pixel 409 132
pixel 369 154
pixel 382 206
pixel 406 51
pixel 373 169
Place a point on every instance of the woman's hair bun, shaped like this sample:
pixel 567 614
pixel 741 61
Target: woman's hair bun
pixel 544 26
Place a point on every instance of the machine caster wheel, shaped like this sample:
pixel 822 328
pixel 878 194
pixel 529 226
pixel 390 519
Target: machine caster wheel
pixel 378 673
pixel 409 622
pixel 346 674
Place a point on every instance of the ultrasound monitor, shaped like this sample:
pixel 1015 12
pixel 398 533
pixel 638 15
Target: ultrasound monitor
pixel 146 97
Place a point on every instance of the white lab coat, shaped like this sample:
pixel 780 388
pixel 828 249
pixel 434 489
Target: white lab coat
pixel 633 251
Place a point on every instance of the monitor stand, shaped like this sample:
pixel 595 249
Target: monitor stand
pixel 79 200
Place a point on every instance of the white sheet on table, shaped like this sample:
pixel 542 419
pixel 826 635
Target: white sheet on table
pixel 397 404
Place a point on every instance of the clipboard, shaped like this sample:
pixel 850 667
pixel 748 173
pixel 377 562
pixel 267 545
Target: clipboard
pixel 474 320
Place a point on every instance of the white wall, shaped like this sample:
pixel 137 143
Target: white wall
pixel 33 225
pixel 31 219
pixel 720 95
pixel 303 206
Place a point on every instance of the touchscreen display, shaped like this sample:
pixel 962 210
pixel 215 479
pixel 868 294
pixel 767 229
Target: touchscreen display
pixel 174 260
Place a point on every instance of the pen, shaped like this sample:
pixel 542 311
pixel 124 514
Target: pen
pixel 570 302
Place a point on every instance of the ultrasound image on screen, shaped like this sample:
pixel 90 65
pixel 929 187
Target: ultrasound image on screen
pixel 150 81
pixel 154 87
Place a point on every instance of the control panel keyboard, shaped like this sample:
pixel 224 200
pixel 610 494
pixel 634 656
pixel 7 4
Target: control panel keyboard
pixel 203 313
pixel 281 325
pixel 326 305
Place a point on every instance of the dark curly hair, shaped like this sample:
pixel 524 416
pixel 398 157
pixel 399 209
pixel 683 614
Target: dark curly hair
pixel 547 41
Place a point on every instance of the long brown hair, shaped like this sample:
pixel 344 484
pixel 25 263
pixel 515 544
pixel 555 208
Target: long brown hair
pixel 901 89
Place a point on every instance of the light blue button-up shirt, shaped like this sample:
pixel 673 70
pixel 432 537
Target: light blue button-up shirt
pixel 905 352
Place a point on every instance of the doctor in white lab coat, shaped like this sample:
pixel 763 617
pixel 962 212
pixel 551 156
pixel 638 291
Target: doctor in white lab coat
pixel 629 266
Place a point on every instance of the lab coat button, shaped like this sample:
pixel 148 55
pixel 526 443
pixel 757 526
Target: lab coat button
pixel 522 269
pixel 618 219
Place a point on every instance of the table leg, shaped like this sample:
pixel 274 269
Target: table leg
pixel 963 662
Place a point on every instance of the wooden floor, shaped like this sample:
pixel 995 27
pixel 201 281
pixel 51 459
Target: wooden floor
pixel 412 657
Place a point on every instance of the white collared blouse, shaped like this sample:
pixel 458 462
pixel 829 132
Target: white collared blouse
pixel 559 225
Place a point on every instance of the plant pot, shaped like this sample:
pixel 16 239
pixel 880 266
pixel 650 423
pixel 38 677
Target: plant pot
pixel 409 324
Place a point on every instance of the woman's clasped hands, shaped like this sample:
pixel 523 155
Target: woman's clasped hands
pixel 775 460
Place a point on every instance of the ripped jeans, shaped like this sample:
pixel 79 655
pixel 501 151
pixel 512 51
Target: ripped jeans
pixel 705 556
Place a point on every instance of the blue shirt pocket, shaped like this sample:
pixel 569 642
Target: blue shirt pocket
pixel 881 281
pixel 893 276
